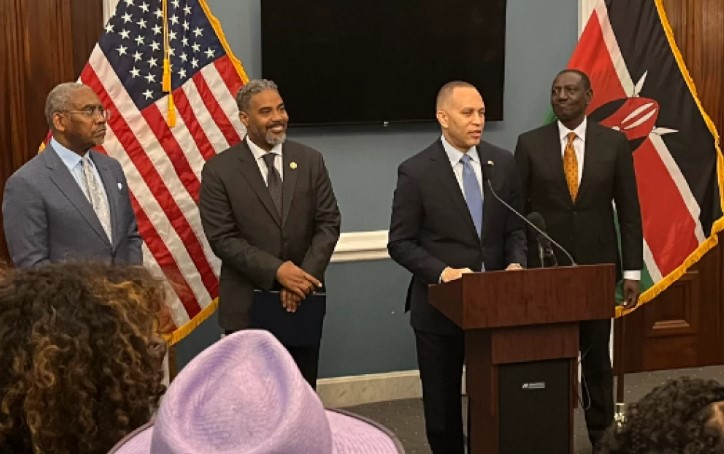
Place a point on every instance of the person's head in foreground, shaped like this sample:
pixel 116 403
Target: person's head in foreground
pixel 684 416
pixel 244 394
pixel 79 355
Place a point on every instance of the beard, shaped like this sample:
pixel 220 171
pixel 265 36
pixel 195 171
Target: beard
pixel 273 138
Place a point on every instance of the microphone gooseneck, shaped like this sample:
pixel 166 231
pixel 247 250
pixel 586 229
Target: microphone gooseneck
pixel 486 179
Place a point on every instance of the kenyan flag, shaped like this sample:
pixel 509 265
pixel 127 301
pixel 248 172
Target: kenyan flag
pixel 642 88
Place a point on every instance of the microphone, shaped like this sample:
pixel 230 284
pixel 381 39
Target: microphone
pixel 486 168
pixel 545 251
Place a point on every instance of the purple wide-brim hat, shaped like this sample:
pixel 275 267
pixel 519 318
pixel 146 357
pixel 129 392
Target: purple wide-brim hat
pixel 245 394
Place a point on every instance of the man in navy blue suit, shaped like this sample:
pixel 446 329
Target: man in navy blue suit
pixel 444 224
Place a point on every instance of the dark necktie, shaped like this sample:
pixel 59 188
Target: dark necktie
pixel 473 197
pixel 273 181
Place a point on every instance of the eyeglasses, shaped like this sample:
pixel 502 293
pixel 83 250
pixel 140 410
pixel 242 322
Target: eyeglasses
pixel 91 112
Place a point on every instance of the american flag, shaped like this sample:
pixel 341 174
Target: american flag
pixel 163 163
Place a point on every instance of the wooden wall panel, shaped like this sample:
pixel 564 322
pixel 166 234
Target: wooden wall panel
pixel 40 42
pixel 682 327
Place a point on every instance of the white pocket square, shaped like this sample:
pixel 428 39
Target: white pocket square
pixel 120 186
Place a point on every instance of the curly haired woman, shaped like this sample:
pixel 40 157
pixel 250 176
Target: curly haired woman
pixel 684 416
pixel 79 355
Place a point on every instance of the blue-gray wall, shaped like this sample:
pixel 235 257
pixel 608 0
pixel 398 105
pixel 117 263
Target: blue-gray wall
pixel 366 330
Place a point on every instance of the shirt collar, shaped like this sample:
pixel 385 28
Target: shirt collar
pixel 580 130
pixel 69 157
pixel 258 152
pixel 454 155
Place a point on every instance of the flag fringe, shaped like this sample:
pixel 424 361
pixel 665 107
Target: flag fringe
pixel 216 25
pixel 718 225
pixel 185 330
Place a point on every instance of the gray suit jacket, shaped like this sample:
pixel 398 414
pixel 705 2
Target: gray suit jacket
pixel 248 235
pixel 47 218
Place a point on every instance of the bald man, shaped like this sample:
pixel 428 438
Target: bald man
pixel 444 225
pixel 71 202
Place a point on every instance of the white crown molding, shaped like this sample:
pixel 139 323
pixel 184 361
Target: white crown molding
pixel 360 246
pixel 585 8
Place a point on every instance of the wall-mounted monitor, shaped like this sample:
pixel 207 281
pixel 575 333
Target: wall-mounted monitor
pixel 376 61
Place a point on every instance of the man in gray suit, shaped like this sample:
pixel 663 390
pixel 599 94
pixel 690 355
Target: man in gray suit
pixel 70 202
pixel 270 215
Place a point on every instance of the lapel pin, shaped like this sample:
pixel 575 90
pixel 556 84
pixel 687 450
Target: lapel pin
pixel 293 165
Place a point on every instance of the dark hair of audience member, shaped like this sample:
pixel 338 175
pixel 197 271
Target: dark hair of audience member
pixel 684 416
pixel 79 355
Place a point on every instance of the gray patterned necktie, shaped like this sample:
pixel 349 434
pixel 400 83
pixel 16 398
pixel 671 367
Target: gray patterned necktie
pixel 96 197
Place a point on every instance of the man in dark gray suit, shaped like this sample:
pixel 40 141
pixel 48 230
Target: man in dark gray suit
pixel 572 171
pixel 70 202
pixel 446 223
pixel 270 215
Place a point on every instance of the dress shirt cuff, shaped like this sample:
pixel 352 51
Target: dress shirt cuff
pixel 632 275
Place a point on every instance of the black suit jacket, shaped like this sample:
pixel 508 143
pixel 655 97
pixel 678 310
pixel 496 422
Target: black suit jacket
pixel 248 235
pixel 585 228
pixel 431 227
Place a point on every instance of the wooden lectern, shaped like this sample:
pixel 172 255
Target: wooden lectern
pixel 521 350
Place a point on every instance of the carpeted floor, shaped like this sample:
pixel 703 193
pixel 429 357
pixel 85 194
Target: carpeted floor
pixel 405 418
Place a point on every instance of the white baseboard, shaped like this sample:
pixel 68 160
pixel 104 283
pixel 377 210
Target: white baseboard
pixel 364 389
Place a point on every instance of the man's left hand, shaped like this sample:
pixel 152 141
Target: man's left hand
pixel 631 292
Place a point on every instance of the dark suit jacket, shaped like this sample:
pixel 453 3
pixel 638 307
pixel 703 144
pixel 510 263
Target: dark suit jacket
pixel 585 228
pixel 431 227
pixel 47 218
pixel 246 232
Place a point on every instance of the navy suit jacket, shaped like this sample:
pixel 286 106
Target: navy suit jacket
pixel 431 226
pixel 47 218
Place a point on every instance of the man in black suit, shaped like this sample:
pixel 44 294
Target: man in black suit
pixel 270 215
pixel 572 170
pixel 444 225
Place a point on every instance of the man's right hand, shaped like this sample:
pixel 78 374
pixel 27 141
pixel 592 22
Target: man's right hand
pixel 450 274
pixel 296 280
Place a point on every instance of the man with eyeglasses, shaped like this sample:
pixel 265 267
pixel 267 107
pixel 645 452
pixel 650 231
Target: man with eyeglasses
pixel 71 202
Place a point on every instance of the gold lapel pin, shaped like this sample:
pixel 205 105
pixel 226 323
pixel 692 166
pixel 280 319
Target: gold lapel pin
pixel 293 165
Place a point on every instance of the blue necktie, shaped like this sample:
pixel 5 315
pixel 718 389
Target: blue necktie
pixel 473 197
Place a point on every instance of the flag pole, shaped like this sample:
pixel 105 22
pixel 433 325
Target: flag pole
pixel 619 331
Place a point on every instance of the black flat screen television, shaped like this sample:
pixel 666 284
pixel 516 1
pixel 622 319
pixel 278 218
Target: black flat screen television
pixel 377 61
